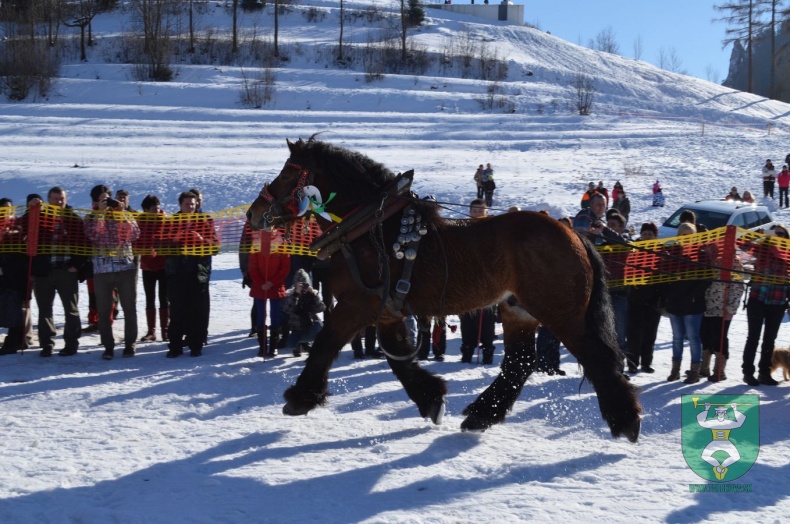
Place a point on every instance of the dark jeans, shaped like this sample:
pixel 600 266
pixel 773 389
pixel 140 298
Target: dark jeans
pixel 436 337
pixel 768 189
pixel 188 299
pixel 489 197
pixel 370 340
pixel 783 193
pixel 64 284
pixel 757 314
pixel 548 350
pixel 642 329
pixel 150 280
pixel 714 335
pixel 475 327
pixel 276 316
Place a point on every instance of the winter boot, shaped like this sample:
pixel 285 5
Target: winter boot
pixel 488 355
pixel 150 317
pixel 766 379
pixel 466 354
pixel 253 322
pixel 439 340
pixel 274 340
pixel 283 333
pixel 371 350
pixel 356 345
pixel 164 322
pixel 675 373
pixel 261 333
pixel 717 373
pixel 704 368
pixel 693 375
pixel 424 345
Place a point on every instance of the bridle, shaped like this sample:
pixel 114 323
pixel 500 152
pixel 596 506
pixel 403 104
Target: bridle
pixel 286 207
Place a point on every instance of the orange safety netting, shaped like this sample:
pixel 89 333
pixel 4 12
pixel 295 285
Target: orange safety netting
pixel 727 253
pixel 722 254
pixel 49 230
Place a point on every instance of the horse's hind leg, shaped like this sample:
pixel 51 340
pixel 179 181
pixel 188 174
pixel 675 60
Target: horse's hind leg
pixel 311 388
pixel 425 389
pixel 493 404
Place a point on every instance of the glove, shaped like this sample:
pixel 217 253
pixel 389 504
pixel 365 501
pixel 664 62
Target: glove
pixel 246 281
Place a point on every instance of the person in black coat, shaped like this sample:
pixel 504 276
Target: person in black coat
pixel 13 280
pixel 643 317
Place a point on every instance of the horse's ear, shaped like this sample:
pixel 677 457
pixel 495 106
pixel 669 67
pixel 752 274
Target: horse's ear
pixel 290 145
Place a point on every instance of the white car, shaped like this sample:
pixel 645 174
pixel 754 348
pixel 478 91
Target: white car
pixel 719 213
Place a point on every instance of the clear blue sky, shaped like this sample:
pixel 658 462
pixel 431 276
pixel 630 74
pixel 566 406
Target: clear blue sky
pixel 686 25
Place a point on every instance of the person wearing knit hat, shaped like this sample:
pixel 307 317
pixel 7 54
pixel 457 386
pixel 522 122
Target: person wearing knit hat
pixel 302 304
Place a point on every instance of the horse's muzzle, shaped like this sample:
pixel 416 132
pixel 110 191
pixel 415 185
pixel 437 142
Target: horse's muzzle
pixel 262 222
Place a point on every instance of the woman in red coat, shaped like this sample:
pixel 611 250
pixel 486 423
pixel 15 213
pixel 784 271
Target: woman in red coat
pixel 152 227
pixel 267 273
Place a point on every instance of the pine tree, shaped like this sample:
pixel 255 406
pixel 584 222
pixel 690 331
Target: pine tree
pixel 743 21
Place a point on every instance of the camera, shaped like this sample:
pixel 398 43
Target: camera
pixel 111 202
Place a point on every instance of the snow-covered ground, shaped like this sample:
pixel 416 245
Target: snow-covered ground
pixel 203 440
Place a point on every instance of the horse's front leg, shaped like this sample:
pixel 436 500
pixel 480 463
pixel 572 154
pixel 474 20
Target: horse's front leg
pixel 493 404
pixel 425 389
pixel 311 388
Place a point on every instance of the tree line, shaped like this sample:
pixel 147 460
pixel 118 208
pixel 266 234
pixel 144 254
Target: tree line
pixel 31 52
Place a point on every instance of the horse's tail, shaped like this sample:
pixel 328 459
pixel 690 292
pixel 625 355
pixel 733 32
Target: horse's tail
pixel 601 358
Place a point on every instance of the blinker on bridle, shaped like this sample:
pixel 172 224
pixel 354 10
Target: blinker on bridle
pixel 286 206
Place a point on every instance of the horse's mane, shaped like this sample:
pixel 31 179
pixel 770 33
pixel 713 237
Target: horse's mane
pixel 354 174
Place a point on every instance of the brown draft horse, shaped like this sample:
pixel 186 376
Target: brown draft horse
pixel 556 276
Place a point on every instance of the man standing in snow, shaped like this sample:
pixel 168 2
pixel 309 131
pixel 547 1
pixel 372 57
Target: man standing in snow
pixel 188 276
pixel 112 231
pixel 56 272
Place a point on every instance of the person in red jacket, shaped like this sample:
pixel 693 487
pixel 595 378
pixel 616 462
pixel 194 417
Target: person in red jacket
pixel 267 273
pixel 152 226
pixel 783 179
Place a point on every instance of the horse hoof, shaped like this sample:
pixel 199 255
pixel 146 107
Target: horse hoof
pixel 632 431
pixel 294 410
pixel 474 424
pixel 436 411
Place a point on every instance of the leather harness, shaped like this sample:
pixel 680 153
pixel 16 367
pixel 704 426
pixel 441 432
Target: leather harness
pixel 395 197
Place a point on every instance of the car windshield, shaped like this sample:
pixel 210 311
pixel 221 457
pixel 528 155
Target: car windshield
pixel 710 219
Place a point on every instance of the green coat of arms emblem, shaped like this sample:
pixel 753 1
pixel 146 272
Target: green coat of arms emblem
pixel 720 434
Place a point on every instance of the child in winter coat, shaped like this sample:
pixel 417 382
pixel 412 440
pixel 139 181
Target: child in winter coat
pixel 302 304
pixel 658 195
pixel 267 272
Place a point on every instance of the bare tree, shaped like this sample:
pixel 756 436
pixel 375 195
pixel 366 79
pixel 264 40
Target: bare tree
pixel 404 25
pixel 743 23
pixel 80 14
pixel 276 27
pixel 340 40
pixel 638 47
pixel 156 20
pixel 585 93
pixel 606 41
pixel 774 8
pixel 712 74
pixel 669 60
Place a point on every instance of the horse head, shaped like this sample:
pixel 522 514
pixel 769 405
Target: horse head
pixel 278 203
pixel 314 174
